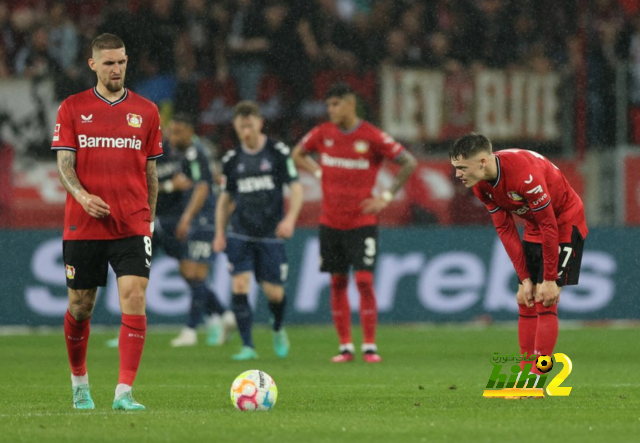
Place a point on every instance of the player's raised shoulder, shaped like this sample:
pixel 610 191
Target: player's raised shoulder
pixel 229 156
pixel 281 148
pixel 143 100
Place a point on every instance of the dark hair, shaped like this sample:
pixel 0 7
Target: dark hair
pixel 183 117
pixel 246 108
pixel 469 145
pixel 106 41
pixel 339 90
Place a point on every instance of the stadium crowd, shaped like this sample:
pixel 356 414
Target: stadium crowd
pixel 250 47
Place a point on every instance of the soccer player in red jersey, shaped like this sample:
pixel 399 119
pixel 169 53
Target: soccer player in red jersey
pixel 351 152
pixel 107 139
pixel 521 182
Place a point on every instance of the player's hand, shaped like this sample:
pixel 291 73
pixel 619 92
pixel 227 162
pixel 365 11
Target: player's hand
pixel 525 294
pixel 373 205
pixel 285 229
pixel 182 230
pixel 94 205
pixel 548 293
pixel 219 243
pixel 181 182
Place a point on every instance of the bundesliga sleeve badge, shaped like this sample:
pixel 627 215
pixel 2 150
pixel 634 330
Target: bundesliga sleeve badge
pixel 134 120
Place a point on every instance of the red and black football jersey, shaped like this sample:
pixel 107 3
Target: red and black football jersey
pixel 350 163
pixel 530 186
pixel 113 142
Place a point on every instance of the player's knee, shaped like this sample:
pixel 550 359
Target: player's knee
pixel 194 271
pixel 274 293
pixel 81 303
pixel 133 299
pixel 240 287
pixel 81 309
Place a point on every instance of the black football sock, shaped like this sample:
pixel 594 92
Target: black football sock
pixel 277 309
pixel 244 317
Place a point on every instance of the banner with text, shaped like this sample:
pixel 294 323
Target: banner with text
pixel 440 274
pixel 421 105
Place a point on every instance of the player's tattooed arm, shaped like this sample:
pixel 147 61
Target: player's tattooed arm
pixel 93 204
pixel 152 186
pixel 67 172
pixel 407 164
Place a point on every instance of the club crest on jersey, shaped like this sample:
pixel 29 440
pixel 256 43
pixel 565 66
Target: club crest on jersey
pixel 134 120
pixel 265 165
pixel 361 146
pixel 328 142
pixel 514 196
pixel 56 133
pixel 71 272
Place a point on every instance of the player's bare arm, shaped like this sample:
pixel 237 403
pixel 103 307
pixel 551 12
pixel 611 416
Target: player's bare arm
pixel 303 160
pixel 198 198
pixel 407 164
pixel 152 187
pixel 287 226
pixel 224 209
pixel 93 204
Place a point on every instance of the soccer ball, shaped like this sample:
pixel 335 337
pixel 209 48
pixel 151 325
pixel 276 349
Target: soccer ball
pixel 544 363
pixel 254 390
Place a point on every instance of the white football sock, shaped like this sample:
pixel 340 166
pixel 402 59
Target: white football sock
pixel 348 347
pixel 369 347
pixel 77 380
pixel 121 388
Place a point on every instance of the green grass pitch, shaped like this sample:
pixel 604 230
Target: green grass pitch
pixel 428 389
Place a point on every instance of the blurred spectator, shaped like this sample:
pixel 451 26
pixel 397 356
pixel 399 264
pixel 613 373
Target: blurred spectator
pixel 524 36
pixel 414 30
pixel 247 46
pixel 287 59
pixel 185 98
pixel 159 31
pixel 439 53
pixel 396 49
pixel 34 60
pixel 340 46
pixel 199 28
pixel 7 41
pixel 605 22
pixel 536 59
pixel 492 32
pixel 634 84
pixel 63 37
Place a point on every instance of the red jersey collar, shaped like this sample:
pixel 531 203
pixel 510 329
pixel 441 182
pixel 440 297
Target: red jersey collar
pixel 495 183
pixel 120 100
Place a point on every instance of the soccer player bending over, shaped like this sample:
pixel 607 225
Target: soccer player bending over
pixel 351 152
pixel 521 182
pixel 253 201
pixel 107 140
